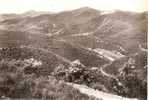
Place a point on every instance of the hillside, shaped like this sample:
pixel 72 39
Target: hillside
pixel 105 51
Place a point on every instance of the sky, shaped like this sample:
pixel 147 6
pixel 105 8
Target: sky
pixel 21 6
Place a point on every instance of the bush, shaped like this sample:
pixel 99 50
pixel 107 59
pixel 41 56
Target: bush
pixel 16 83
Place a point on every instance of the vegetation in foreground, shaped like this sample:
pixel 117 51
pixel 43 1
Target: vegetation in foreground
pixel 15 83
pixel 30 77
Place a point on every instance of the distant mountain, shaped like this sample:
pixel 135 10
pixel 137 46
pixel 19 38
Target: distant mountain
pixel 116 31
pixel 117 27
pixel 8 16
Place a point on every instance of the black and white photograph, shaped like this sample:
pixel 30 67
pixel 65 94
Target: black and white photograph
pixel 73 49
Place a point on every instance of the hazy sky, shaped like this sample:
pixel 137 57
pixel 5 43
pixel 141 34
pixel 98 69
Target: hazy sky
pixel 20 6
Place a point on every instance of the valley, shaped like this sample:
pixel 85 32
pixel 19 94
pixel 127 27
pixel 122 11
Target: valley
pixel 85 54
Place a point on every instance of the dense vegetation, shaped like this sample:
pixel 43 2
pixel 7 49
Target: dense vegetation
pixel 23 78
pixel 128 82
pixel 22 68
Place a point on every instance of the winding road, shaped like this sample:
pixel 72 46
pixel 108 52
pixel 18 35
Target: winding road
pixel 98 94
